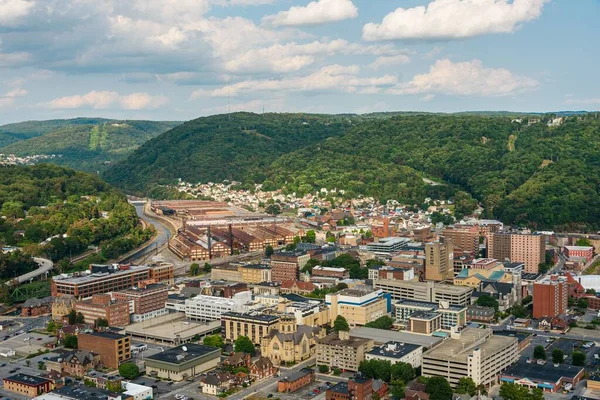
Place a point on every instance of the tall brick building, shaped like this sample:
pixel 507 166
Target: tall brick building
pixel 550 296
pixel 112 348
pixel 465 238
pixel 102 306
pixel 530 249
pixel 145 299
pixel 286 265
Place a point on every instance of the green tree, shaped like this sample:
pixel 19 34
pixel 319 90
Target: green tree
pixel 511 391
pixel 558 356
pixel 397 389
pixel 195 269
pixel 578 358
pixel 337 371
pixel 310 264
pixel 79 318
pixel 129 370
pixel 311 236
pixel 41 365
pixel 72 317
pixel 403 371
pixel 519 311
pixel 583 242
pixel 376 369
pixel 101 323
pixel 539 353
pixel 114 387
pixel 384 322
pixel 340 324
pixel 207 268
pixel 485 300
pixel 438 388
pixel 582 303
pixel 214 341
pixel 323 369
pixel 244 345
pixel 70 341
pixel 269 251
pixel 466 385
pixel 273 209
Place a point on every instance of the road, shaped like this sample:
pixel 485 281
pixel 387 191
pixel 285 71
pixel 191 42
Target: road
pixel 163 234
pixel 44 267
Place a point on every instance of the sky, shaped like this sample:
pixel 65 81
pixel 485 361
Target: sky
pixel 182 59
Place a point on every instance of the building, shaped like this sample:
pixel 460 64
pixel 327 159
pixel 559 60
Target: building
pixel 311 313
pixel 62 306
pixel 357 388
pixel 330 272
pixel 82 392
pixel 392 273
pixel 255 273
pixel 137 392
pixel 477 313
pixel 359 305
pixel 286 265
pixel 99 279
pixel 439 260
pixel 464 237
pixel 116 313
pixel 297 287
pixel 103 381
pixel 550 296
pixel 35 307
pixel 424 322
pixel 450 315
pixel 290 343
pixel 474 353
pixel 183 362
pixel 529 249
pixel 586 252
pixel 296 380
pixel 396 352
pixel 262 369
pixel 211 308
pixel 253 325
pixel 145 302
pixel 226 272
pixel 112 348
pixel 387 245
pixel 543 376
pixel 381 336
pixel 339 350
pixel 74 363
pixel 27 385
pixel 425 291
pixel 162 272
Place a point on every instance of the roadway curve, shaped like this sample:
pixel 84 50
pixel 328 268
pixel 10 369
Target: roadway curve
pixel 45 266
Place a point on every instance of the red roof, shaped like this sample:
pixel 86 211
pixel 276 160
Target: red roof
pixel 307 286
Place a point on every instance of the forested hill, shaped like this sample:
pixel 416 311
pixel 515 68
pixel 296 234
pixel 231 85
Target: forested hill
pixel 522 172
pixel 240 147
pixel 85 144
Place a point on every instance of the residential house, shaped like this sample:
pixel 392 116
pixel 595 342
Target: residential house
pixel 74 363
pixel 297 287
pixel 263 368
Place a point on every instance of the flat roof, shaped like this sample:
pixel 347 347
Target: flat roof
pixel 394 349
pixel 168 328
pixel 29 380
pixel 383 336
pixel 76 392
pixel 107 335
pixel 184 353
pixel 458 349
pixel 99 275
pixel 294 376
pixel 545 373
pixel 425 315
pixel 341 387
pixel 251 316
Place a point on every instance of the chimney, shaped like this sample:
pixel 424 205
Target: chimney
pixel 344 335
pixel 209 238
pixel 230 240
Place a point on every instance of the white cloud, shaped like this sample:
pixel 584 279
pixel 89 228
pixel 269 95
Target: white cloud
pixel 314 13
pixel 13 59
pixel 108 100
pixel 10 97
pixel 386 61
pixel 11 11
pixel 454 19
pixel 469 78
pixel 332 78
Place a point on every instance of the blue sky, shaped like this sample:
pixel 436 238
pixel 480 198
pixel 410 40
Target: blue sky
pixel 181 59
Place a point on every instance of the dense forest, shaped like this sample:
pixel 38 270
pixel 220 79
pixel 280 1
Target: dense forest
pixel 218 148
pixel 86 144
pixel 524 172
pixel 56 212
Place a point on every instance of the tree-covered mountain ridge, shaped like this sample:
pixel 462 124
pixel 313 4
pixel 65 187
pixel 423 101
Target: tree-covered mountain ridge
pixel 539 171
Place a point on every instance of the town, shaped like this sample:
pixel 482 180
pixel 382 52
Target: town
pixel 362 301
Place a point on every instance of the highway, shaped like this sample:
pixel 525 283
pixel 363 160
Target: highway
pixel 45 266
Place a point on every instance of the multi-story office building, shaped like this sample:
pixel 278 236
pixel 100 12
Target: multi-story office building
pixel 183 362
pixel 211 308
pixel 424 322
pixel 425 291
pixel 464 237
pixel 329 272
pixel 450 315
pixel 307 313
pixel 99 279
pixel 145 302
pixel 586 252
pixel 529 249
pixel 286 265
pixel 339 350
pixel 112 348
pixel 359 305
pixel 396 352
pixel 474 353
pixel 255 273
pixel 550 296
pixel 253 325
pixel 439 260
pixel 387 245
pixel 392 273
pixel 116 313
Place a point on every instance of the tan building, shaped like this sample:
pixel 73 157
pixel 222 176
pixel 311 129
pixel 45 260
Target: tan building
pixel 27 385
pixel 254 326
pixel 290 343
pixel 112 348
pixel 226 272
pixel 306 313
pixel 465 237
pixel 439 260
pixel 62 306
pixel 426 291
pixel 182 362
pixel 102 306
pixel 529 249
pixel 338 350
pixel 255 273
pixel 359 305
pixel 425 322
pixel 474 353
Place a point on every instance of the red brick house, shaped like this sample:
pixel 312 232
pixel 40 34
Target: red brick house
pixel 296 380
pixel 35 307
pixel 237 360
pixel 263 368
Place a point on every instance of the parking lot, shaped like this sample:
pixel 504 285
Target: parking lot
pixel 27 343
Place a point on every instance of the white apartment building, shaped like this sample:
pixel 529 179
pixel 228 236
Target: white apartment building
pixel 396 352
pixel 210 308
